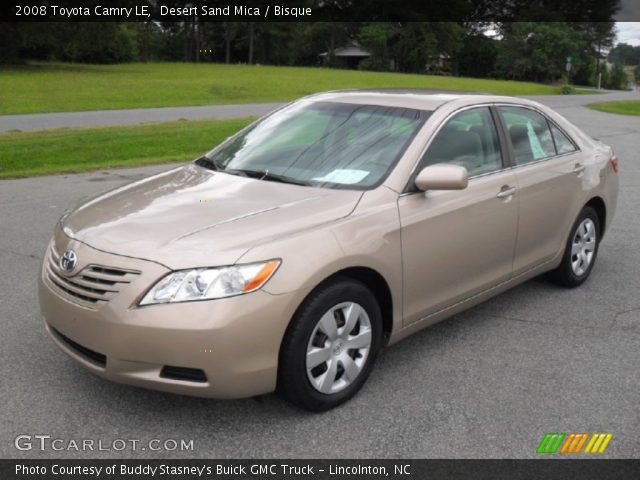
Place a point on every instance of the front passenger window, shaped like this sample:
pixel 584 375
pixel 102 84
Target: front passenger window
pixel 470 140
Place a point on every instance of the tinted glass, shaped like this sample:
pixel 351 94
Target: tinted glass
pixel 563 144
pixel 530 134
pixel 468 139
pixel 324 144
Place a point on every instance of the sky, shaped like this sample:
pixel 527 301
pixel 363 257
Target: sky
pixel 628 32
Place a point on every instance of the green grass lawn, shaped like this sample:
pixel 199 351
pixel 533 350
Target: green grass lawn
pixel 44 152
pixel 626 107
pixel 58 87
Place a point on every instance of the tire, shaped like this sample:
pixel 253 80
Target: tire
pixel 580 251
pixel 339 371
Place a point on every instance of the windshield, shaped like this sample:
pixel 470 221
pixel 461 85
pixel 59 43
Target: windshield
pixel 324 144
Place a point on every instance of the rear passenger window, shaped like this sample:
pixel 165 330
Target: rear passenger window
pixel 470 140
pixel 563 144
pixel 529 133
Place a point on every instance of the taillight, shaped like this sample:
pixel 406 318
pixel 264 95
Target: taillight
pixel 614 163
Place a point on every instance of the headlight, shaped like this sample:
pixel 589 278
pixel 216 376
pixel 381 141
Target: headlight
pixel 210 283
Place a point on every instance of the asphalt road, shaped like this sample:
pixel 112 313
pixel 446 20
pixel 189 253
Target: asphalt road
pixel 101 118
pixel 486 383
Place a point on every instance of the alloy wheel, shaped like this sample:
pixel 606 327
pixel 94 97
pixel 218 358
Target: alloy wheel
pixel 583 247
pixel 338 347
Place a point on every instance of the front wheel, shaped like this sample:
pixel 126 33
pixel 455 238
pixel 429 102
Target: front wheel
pixel 580 251
pixel 330 346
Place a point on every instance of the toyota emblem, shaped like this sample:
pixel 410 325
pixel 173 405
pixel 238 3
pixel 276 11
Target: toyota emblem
pixel 68 261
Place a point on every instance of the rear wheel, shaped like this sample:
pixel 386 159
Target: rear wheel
pixel 330 346
pixel 580 252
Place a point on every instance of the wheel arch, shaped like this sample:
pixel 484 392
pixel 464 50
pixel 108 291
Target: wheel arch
pixel 375 282
pixel 597 203
pixel 378 285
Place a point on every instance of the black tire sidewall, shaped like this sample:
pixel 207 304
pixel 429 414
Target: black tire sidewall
pixel 292 379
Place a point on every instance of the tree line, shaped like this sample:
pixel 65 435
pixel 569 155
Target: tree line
pixel 627 55
pixel 535 51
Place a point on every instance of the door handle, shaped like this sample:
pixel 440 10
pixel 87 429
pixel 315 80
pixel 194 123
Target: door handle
pixel 506 192
pixel 578 168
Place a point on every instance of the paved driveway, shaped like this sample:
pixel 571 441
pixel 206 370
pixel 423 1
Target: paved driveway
pixel 487 383
pixel 102 118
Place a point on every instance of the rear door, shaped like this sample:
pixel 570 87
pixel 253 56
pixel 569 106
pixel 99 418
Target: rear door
pixel 460 242
pixel 548 167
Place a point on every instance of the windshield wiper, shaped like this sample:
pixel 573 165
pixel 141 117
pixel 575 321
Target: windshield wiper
pixel 208 163
pixel 267 175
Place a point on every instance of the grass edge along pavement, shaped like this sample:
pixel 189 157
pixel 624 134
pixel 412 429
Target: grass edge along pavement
pixel 44 87
pixel 46 152
pixel 622 107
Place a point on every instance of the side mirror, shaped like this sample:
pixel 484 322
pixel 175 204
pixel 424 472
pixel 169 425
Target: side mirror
pixel 442 176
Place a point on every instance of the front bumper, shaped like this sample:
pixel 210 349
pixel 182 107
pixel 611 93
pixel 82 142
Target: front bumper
pixel 234 341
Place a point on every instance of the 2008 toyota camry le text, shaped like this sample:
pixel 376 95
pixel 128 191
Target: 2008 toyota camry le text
pixel 288 256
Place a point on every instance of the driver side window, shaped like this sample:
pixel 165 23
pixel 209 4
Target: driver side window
pixel 468 139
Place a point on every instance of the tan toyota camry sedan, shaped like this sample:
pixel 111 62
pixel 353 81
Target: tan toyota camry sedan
pixel 286 257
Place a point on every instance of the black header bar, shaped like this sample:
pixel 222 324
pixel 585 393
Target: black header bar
pixel 320 469
pixel 319 10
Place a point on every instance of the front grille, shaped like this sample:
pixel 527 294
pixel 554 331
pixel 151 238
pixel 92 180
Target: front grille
pixel 183 373
pixel 92 286
pixel 92 356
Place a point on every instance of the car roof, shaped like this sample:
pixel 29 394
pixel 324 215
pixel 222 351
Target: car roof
pixel 417 99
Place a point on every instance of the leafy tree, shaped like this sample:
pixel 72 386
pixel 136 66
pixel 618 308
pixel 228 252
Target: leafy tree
pixel 478 56
pixel 537 51
pixel 524 50
pixel 230 30
pixel 275 45
pixel 11 40
pixel 625 54
pixel 585 72
pixel 326 37
pixel 416 46
pixel 83 42
pixel 618 79
pixel 604 71
pixel 598 37
pixel 375 38
pixel 450 38
pixel 148 40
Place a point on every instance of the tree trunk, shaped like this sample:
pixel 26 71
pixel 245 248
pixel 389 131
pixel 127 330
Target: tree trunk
pixel 196 37
pixel 227 44
pixel 251 40
pixel 332 47
pixel 187 41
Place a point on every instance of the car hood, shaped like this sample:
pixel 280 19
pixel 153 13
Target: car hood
pixel 191 216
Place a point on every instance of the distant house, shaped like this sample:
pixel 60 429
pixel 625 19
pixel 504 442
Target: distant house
pixel 347 56
pixel 441 64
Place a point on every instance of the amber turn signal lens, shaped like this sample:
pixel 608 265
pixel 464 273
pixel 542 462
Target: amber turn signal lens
pixel 262 276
